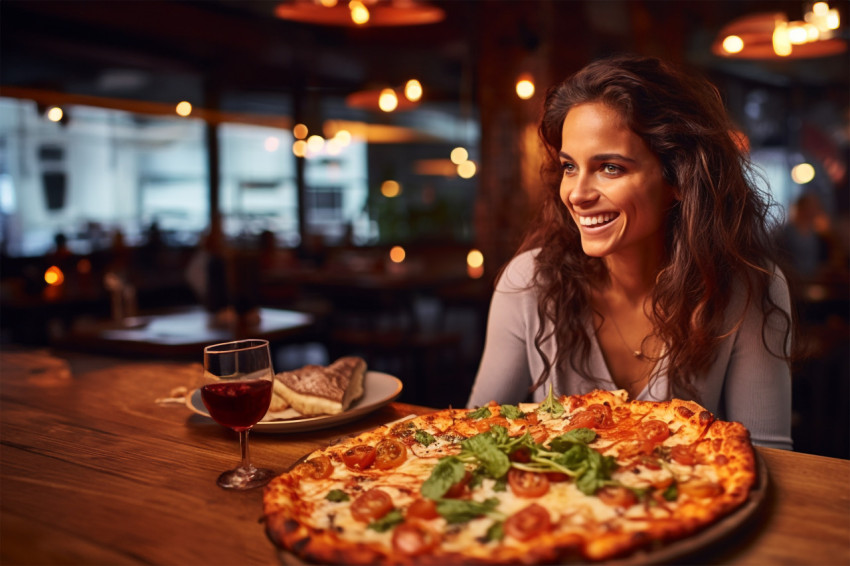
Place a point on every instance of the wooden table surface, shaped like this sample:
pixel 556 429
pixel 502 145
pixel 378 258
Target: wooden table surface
pixel 94 470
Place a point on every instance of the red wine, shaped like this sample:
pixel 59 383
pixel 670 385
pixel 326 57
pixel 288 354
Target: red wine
pixel 237 404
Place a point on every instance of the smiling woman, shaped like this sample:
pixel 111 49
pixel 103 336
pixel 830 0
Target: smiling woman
pixel 650 267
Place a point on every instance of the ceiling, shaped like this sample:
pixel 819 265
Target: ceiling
pixel 235 55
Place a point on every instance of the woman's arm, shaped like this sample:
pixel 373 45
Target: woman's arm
pixel 503 374
pixel 757 388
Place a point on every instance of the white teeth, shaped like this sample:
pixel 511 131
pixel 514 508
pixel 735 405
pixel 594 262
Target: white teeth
pixel 598 219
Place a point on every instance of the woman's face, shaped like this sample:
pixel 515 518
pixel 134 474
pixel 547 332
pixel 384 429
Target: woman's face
pixel 612 184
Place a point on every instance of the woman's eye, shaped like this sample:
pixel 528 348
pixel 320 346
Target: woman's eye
pixel 611 169
pixel 567 167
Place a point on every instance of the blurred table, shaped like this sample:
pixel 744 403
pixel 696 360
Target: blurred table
pixel 184 333
pixel 93 470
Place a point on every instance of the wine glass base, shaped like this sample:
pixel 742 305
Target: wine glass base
pixel 242 478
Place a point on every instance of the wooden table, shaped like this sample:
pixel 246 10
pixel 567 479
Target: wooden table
pixel 184 333
pixel 94 471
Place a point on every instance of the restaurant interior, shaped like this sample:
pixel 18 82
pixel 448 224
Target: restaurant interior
pixel 359 173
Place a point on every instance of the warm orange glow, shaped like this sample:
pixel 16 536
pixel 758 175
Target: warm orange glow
pixel 183 108
pixel 733 44
pixel 54 114
pixel 54 276
pixel 413 90
pixel 343 137
pixel 388 101
pixel 474 258
pixel 397 254
pixel 459 155
pixel 781 43
pixel 525 88
pixel 466 170
pixel 300 131
pixel 803 173
pixel 359 13
pixel 299 148
pixel 475 272
pixel 390 188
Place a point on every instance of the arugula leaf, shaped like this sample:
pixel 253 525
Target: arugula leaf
pixel 496 531
pixel 446 473
pixel 387 522
pixel 337 495
pixel 671 493
pixel 464 510
pixel 572 437
pixel 551 405
pixel 485 448
pixel 511 412
pixel 424 437
pixel 480 413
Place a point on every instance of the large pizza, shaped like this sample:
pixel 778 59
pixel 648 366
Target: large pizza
pixel 580 478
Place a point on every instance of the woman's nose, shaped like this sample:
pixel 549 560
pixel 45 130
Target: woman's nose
pixel 578 191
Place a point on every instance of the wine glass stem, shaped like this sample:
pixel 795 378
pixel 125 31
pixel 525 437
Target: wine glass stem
pixel 243 443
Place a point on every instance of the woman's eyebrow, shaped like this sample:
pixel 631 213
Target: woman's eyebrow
pixel 602 157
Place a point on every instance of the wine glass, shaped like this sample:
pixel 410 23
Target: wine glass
pixel 237 392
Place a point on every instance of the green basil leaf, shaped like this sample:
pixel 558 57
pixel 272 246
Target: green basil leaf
pixel 337 495
pixel 387 522
pixel 424 437
pixel 446 473
pixel 464 510
pixel 480 413
pixel 496 531
pixel 485 449
pixel 551 405
pixel 511 412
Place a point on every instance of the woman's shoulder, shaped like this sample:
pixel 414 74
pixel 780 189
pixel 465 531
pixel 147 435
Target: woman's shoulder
pixel 518 274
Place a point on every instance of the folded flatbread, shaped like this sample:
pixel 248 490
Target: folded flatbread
pixel 322 390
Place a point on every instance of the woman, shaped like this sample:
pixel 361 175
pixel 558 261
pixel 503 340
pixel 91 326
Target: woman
pixel 650 268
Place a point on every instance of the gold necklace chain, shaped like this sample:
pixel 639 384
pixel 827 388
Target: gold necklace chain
pixel 636 353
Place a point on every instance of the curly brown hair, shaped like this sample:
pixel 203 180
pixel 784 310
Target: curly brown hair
pixel 718 231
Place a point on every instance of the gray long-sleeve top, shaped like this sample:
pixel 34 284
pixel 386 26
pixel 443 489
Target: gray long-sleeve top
pixel 746 382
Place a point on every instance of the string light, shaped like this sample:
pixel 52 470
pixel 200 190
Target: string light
pixel 390 188
pixel 397 254
pixel 183 108
pixel 55 114
pixel 459 155
pixel 300 131
pixel 359 13
pixel 525 87
pixel 388 101
pixel 413 90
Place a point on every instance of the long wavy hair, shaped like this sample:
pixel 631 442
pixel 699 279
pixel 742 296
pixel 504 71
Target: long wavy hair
pixel 717 233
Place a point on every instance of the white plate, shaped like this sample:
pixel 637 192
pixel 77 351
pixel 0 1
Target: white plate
pixel 379 389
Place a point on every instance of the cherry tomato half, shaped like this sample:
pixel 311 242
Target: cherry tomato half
pixel 654 431
pixel 529 522
pixel 371 505
pixel 359 457
pixel 317 468
pixel 616 496
pixel 459 489
pixel 527 484
pixel 683 454
pixel 413 538
pixel 389 453
pixel 595 416
pixel 423 509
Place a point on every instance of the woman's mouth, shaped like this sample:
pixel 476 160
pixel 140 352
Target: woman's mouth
pixel 597 219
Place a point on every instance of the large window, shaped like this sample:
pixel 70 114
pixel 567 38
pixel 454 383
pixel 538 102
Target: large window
pixel 98 172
